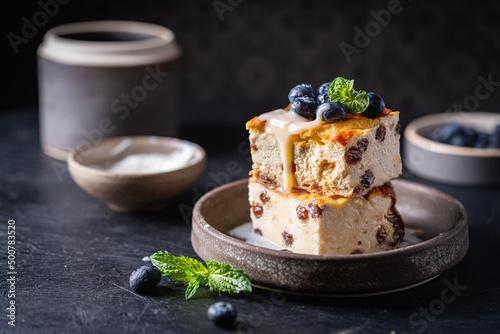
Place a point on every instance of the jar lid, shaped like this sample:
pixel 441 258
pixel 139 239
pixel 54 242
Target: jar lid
pixel 109 43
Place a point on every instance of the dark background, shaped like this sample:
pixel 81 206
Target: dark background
pixel 427 59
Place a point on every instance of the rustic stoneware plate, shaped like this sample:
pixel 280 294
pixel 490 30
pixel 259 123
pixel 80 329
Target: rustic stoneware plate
pixel 442 219
pixel 134 192
pixel 465 166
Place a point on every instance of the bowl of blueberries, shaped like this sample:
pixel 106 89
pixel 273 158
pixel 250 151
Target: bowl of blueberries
pixel 459 148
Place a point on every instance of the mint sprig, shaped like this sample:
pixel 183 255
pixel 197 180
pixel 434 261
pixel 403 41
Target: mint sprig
pixel 342 91
pixel 219 277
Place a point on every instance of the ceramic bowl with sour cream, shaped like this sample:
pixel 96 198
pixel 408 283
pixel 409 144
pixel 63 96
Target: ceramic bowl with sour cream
pixel 137 173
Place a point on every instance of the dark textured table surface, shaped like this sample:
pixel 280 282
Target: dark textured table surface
pixel 74 257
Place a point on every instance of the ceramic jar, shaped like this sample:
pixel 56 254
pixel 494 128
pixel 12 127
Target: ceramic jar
pixel 104 79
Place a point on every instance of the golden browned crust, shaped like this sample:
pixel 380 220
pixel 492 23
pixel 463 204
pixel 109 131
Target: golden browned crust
pixel 255 123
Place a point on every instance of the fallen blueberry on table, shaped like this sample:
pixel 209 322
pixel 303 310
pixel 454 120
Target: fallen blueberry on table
pixel 144 279
pixel 222 314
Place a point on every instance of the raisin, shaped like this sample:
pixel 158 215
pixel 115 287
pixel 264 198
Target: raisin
pixel 302 212
pixel 363 144
pixel 257 210
pixel 366 182
pixel 397 128
pixel 399 228
pixel 367 179
pixel 267 181
pixel 257 231
pixel 357 251
pixel 314 210
pixel 253 147
pixel 315 188
pixel 380 134
pixel 287 238
pixel 354 153
pixel 264 197
pixel 358 190
pixel 381 235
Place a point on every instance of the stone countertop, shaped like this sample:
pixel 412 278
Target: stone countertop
pixel 74 257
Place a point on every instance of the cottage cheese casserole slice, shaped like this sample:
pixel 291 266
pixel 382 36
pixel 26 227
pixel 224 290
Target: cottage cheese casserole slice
pixel 314 224
pixel 348 158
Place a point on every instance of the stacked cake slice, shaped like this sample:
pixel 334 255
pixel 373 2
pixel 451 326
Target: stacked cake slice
pixel 324 188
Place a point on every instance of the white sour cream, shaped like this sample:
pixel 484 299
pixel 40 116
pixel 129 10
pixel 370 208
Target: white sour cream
pixel 151 163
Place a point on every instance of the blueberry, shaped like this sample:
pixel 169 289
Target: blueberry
pixel 305 107
pixel 495 137
pixel 470 135
pixel 459 139
pixel 482 140
pixel 144 279
pixel 302 90
pixel 376 106
pixel 493 141
pixel 222 314
pixel 323 98
pixel 444 134
pixel 334 112
pixel 324 88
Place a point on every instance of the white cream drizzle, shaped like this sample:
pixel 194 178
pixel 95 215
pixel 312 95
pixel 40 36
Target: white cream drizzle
pixel 283 124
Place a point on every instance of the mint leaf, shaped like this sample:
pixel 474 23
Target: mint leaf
pixel 193 286
pixel 359 104
pixel 342 91
pixel 180 269
pixel 193 267
pixel 223 277
pixel 219 277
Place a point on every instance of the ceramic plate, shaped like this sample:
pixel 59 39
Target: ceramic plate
pixel 442 219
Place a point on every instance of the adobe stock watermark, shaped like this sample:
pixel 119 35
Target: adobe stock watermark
pixel 11 272
pixel 372 29
pixel 419 321
pixel 30 27
pixel 222 6
pixel 121 106
pixel 232 169
pixel 484 89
